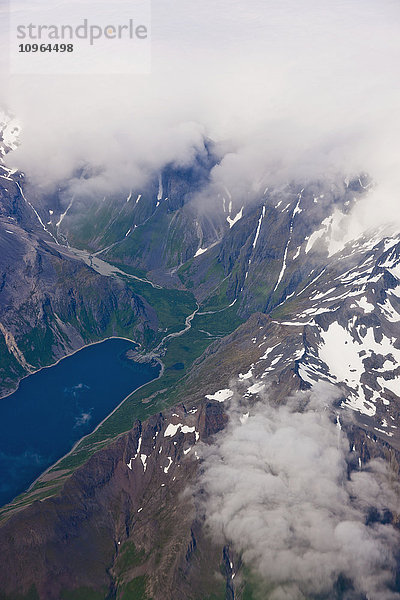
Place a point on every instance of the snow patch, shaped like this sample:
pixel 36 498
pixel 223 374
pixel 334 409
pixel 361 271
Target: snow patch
pixel 143 458
pixel 166 469
pixel 200 251
pixel 235 219
pixel 247 375
pixel 220 395
pixel 256 388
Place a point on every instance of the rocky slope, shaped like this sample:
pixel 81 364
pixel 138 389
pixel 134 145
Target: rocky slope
pixel 126 523
pixel 50 303
pixel 122 522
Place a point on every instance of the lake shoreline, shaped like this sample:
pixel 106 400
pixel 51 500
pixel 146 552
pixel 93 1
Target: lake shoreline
pixel 148 369
pixel 162 369
pixel 112 337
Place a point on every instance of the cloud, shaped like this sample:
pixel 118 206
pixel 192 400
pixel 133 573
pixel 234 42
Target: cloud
pixel 277 488
pixel 83 418
pixel 294 90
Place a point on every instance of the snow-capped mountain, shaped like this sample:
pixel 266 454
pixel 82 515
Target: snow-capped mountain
pixel 347 319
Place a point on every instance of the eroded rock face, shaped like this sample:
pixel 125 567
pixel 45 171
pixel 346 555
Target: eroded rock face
pixel 130 499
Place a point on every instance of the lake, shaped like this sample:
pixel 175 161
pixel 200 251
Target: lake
pixel 55 407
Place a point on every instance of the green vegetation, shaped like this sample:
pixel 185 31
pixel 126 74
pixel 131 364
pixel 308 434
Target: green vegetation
pixel 128 558
pixel 289 308
pixel 135 271
pixel 249 592
pixel 217 596
pixel 84 593
pixel 219 324
pixel 10 369
pixel 184 273
pixel 214 278
pixel 26 498
pixel 135 589
pixel 100 225
pixel 31 595
pixel 146 237
pixel 37 346
pixel 172 306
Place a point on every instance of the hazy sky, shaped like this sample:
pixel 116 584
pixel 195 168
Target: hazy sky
pixel 298 89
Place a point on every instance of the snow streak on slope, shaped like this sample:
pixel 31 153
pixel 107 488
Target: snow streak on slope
pixel 64 214
pixel 281 477
pixel 160 190
pixel 259 227
pixel 236 218
pixel 295 211
pixel 36 213
pixel 353 335
pixel 326 223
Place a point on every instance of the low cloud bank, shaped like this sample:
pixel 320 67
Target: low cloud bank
pixel 277 488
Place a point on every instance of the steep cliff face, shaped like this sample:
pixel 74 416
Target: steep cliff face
pixel 152 227
pixel 270 247
pixel 184 231
pixel 51 305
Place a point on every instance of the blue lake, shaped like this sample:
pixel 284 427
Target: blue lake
pixel 55 407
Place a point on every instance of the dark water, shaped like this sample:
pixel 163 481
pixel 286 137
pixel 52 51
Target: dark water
pixel 55 407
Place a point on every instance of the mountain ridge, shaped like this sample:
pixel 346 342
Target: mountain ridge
pixel 267 310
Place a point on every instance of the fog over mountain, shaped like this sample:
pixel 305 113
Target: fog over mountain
pixel 292 90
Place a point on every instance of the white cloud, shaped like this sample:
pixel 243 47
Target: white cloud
pixel 277 488
pixel 294 90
